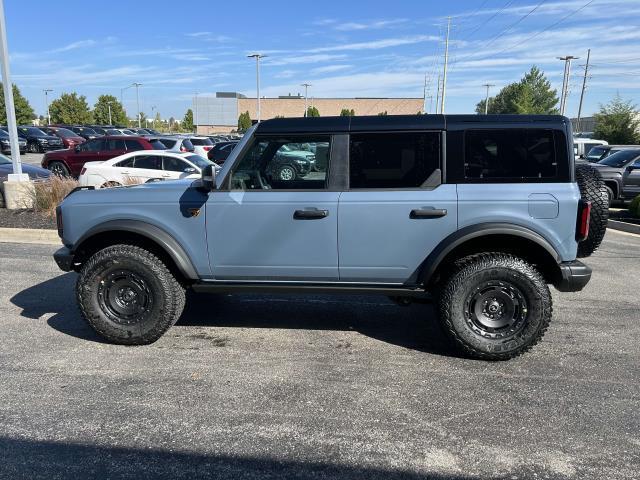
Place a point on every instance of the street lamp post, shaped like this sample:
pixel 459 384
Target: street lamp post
pixel 195 118
pixel 136 84
pixel 153 116
pixel 46 101
pixel 257 56
pixel 306 96
pixel 109 107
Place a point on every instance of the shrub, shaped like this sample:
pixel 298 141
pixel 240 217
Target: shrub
pixel 47 195
pixel 634 208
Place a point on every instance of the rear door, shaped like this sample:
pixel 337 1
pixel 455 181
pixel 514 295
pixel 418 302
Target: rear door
pixel 146 167
pixel 89 151
pixel 396 209
pixel 113 147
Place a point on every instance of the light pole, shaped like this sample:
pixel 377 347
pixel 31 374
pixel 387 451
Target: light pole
pixel 306 87
pixel 486 100
pixel 136 84
pixel 153 107
pixel 109 107
pixel 46 101
pixel 257 56
pixel 195 118
pixel 565 81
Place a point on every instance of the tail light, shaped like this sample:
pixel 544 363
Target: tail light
pixel 582 225
pixel 207 148
pixel 83 171
pixel 59 221
pixel 182 149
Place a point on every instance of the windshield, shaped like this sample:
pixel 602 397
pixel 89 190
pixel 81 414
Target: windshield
pixel 36 132
pixel 620 159
pixel 4 160
pixel 3 134
pixel 596 153
pixel 64 133
pixel 86 131
pixel 198 161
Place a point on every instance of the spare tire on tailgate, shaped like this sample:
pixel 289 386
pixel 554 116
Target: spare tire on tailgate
pixel 593 189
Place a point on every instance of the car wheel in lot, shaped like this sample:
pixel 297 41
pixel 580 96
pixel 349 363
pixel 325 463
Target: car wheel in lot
pixel 495 306
pixel 128 295
pixel 32 147
pixel 610 194
pixel 58 168
pixel 593 189
pixel 286 173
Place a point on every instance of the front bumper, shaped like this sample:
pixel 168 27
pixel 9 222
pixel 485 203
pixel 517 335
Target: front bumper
pixel 64 259
pixel 574 276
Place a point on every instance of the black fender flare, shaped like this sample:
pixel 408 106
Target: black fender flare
pixel 457 238
pixel 155 234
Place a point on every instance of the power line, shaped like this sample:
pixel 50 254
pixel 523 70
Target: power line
pixel 482 24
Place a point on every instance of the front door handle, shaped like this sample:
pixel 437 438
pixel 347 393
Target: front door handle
pixel 428 212
pixel 310 214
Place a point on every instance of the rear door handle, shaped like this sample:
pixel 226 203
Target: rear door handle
pixel 428 212
pixel 310 214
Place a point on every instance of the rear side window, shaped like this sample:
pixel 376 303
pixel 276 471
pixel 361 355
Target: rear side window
pixel 133 145
pixel 157 145
pixel 167 142
pixel 393 160
pixel 517 154
pixel 201 141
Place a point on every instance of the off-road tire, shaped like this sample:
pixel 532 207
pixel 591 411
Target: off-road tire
pixel 167 296
pixel 58 168
pixel 470 275
pixel 593 189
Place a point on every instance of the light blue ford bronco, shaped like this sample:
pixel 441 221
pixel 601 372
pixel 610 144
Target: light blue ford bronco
pixel 477 213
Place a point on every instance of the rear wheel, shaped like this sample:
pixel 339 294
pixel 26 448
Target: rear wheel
pixel 287 173
pixel 495 306
pixel 58 168
pixel 128 295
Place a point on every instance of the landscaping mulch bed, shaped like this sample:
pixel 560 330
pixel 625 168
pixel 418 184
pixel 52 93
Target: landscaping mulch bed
pixel 25 219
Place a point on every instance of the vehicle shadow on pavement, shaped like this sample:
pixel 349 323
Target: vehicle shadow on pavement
pixel 38 459
pixel 414 326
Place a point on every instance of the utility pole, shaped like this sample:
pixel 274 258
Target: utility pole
pixel 195 118
pixel 424 95
pixel 446 62
pixel 7 86
pixel 257 56
pixel 584 87
pixel 109 107
pixel 486 100
pixel 136 84
pixel 306 91
pixel 153 107
pixel 438 94
pixel 46 101
pixel 565 82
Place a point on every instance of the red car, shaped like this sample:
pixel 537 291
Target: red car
pixel 69 139
pixel 69 162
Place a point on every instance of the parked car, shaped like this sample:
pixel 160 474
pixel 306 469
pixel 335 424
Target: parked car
pixel 601 152
pixel 85 132
pixel 481 227
pixel 69 139
pixel 220 152
pixel 582 146
pixel 6 167
pixel 5 143
pixel 69 162
pixel 101 129
pixel 177 144
pixel 37 140
pixel 201 145
pixel 140 167
pixel 621 174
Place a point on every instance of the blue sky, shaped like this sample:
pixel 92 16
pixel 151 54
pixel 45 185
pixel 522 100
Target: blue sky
pixel 344 49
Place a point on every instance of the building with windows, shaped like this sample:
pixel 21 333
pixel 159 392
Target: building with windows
pixel 219 114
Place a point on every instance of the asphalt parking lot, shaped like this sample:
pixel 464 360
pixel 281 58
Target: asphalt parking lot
pixel 32 158
pixel 316 387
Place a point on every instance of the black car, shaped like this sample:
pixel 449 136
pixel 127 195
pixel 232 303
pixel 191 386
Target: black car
pixel 6 167
pixel 38 141
pixel 600 152
pixel 220 151
pixel 5 143
pixel 621 174
pixel 85 132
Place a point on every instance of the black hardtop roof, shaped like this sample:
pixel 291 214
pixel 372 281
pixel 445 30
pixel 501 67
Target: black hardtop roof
pixel 400 122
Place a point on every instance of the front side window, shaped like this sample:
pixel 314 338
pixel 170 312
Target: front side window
pixel 510 154
pixel 173 164
pixel 115 144
pixel 596 153
pixel 92 146
pixel 280 164
pixel 393 160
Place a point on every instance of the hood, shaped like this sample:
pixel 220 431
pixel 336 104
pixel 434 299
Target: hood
pixel 607 170
pixel 33 171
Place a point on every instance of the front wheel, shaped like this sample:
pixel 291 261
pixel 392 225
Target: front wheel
pixel 59 169
pixel 286 173
pixel 495 306
pixel 128 295
pixel 33 147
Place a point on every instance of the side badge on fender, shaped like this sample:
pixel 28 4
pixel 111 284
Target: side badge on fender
pixel 194 212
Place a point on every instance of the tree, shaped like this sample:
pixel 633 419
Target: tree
pixel 531 95
pixel 157 121
pixel 101 111
pixel 312 111
pixel 187 121
pixel 24 112
pixel 70 108
pixel 345 112
pixel 381 114
pixel 244 122
pixel 618 122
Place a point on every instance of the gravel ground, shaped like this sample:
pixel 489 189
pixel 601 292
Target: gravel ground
pixel 25 219
pixel 316 387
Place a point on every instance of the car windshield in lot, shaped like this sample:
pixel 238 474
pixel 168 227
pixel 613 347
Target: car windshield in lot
pixel 596 153
pixel 4 160
pixel 64 133
pixel 33 131
pixel 86 131
pixel 620 158
pixel 198 161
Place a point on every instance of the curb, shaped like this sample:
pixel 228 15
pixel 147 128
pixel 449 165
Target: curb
pixel 29 235
pixel 624 227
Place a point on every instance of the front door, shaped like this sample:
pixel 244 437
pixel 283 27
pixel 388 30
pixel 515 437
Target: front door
pixel 396 211
pixel 88 151
pixel 276 218
pixel 631 180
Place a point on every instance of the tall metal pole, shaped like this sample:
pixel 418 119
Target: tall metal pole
pixel 46 101
pixel 257 56
pixel 7 86
pixel 306 96
pixel 486 100
pixel 584 87
pixel 109 107
pixel 136 84
pixel 446 62
pixel 437 94
pixel 195 120
pixel 424 95
pixel 565 82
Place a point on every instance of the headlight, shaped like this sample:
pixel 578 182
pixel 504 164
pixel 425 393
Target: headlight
pixel 43 140
pixel 301 160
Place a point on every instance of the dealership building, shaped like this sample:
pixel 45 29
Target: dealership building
pixel 219 114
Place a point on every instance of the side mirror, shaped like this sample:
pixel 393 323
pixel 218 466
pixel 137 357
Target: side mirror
pixel 633 166
pixel 209 178
pixel 76 148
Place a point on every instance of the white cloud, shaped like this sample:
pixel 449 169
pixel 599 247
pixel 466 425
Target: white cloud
pixel 295 59
pixel 349 26
pixel 329 69
pixel 377 44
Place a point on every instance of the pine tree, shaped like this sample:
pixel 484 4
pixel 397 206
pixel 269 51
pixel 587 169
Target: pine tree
pixel 187 121
pixel 244 122
pixel 101 111
pixel 312 111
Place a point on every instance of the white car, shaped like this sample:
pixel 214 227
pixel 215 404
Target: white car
pixel 140 167
pixel 201 145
